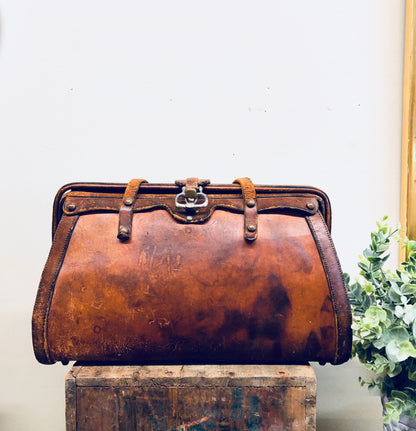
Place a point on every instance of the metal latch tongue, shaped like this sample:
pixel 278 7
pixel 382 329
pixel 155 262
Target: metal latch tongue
pixel 192 195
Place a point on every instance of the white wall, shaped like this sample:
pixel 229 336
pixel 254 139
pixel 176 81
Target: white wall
pixel 305 92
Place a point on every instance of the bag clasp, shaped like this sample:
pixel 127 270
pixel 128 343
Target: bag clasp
pixel 192 195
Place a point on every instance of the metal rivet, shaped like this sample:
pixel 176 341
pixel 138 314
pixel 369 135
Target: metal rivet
pixel 128 201
pixel 251 228
pixel 70 207
pixel 123 233
pixel 251 203
pixel 310 206
pixel 189 218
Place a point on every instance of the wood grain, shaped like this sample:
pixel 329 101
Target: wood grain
pixel 408 178
pixel 194 398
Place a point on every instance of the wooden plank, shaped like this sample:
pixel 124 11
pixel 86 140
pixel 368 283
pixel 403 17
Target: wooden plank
pixel 70 401
pixel 260 375
pixel 194 398
pixel 408 169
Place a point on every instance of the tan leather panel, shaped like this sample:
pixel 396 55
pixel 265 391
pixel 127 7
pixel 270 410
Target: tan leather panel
pixel 192 292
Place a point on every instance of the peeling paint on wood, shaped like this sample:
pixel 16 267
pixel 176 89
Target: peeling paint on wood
pixel 191 398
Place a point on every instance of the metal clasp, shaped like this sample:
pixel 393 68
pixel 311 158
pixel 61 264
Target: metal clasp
pixel 189 199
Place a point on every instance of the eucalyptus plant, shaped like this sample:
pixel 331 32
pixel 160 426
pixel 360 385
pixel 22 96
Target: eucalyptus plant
pixel 384 321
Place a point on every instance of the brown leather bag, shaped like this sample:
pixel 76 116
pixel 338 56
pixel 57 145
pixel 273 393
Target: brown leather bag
pixel 191 273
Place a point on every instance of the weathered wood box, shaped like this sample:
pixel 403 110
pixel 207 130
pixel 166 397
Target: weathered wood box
pixel 191 397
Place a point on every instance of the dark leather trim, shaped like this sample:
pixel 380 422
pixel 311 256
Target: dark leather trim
pixel 340 301
pixel 47 286
pixel 116 190
pixel 82 203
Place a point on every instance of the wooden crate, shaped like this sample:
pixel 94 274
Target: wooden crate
pixel 191 397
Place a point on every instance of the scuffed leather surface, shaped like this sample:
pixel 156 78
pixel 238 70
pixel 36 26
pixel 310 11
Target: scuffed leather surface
pixel 192 292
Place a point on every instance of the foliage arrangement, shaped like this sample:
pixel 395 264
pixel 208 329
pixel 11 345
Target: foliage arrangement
pixel 384 321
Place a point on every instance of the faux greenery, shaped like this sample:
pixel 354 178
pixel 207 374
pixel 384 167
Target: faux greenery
pixel 384 321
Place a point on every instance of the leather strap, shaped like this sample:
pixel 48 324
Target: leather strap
pixel 189 181
pixel 250 208
pixel 126 209
pixel 191 188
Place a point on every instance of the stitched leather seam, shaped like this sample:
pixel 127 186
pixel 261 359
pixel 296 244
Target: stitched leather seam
pixel 215 206
pixel 325 265
pixel 344 291
pixel 52 287
pixel 197 218
pixel 210 196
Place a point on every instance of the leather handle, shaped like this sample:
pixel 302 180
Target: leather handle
pixel 126 209
pixel 250 208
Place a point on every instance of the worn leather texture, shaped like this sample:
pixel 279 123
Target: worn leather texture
pixel 238 274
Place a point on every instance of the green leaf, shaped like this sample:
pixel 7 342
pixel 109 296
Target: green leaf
pixel 409 314
pixel 411 374
pixel 399 396
pixel 411 245
pixel 399 311
pixel 396 288
pixel 393 296
pixel 408 289
pixel 367 302
pixel 382 248
pixel 356 290
pixel 376 263
pixel 410 408
pixel 379 344
pixel 396 333
pixel 394 369
pixel 390 314
pixel 393 412
pixel 404 277
pixel 369 253
pixel 368 288
pixel 380 365
pixel 398 351
pixel 374 315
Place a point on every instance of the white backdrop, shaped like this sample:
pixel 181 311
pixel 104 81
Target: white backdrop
pixel 305 92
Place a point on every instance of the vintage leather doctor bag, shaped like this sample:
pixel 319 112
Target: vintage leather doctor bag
pixel 191 273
